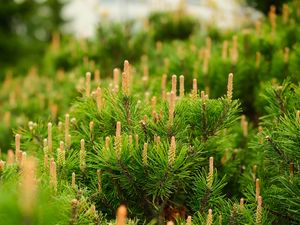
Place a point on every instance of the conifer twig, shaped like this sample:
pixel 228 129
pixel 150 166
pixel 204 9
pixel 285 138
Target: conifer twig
pixel 244 126
pixel 181 86
pixel 209 220
pixel 10 158
pixel 116 75
pixel 172 107
pixel 172 152
pixel 49 139
pixel 2 165
pixel 88 84
pixel 230 86
pixel 18 148
pixel 118 140
pixel 28 187
pixel 195 89
pixel 189 220
pixel 107 143
pixel 61 154
pixel 53 176
pixel 91 126
pixel 174 84
pixel 73 183
pixel 99 180
pixel 258 216
pixel 99 98
pixel 74 204
pixel 82 155
pixel 291 170
pixel 145 154
pixel 210 176
pixel 257 188
pixel 125 78
pixel 242 202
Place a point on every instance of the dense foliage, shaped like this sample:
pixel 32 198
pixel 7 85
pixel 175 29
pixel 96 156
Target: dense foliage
pixel 216 145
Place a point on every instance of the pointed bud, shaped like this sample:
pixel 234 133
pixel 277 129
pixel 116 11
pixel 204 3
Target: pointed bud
pixel 242 202
pixel 53 176
pixel 87 84
pixel 10 157
pixel 73 180
pixel 137 140
pixel 209 220
pixel 244 125
pixel 230 86
pixel 181 86
pixel 258 216
pixel 172 107
pixel 153 104
pixel 118 140
pixel 91 125
pixel 174 84
pixel 107 142
pixel 145 154
pixel 99 98
pixel 28 187
pixel 121 215
pixel 99 175
pixel 18 148
pixel 257 188
pixel 189 220
pixel 195 89
pixel 61 154
pixel 172 152
pixel 210 176
pixel 82 155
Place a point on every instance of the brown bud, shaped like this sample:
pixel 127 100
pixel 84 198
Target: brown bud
pixel 121 215
pixel 230 86
pixel 181 86
pixel 87 84
pixel 174 84
pixel 257 188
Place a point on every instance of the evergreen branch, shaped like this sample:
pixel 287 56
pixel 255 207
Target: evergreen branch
pixel 204 201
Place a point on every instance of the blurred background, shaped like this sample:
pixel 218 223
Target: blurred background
pixel 50 45
pixel 26 26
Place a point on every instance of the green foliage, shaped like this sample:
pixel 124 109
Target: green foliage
pixel 172 25
pixel 25 30
pixel 157 163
